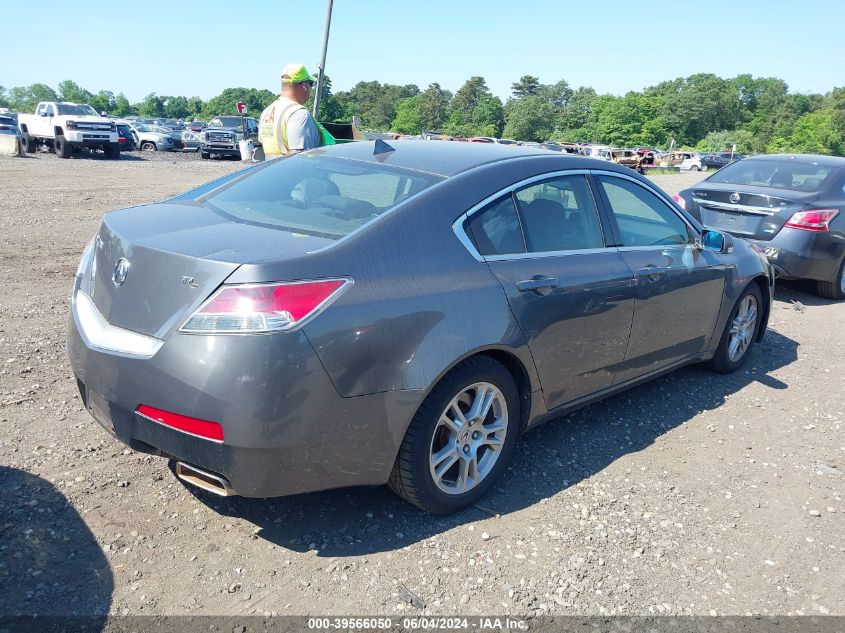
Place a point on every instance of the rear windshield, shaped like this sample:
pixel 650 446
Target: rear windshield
pixel 782 174
pixel 318 195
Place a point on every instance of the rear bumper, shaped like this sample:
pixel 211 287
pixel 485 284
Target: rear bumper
pixel 799 254
pixel 286 428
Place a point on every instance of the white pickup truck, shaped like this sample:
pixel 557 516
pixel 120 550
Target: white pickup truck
pixel 68 126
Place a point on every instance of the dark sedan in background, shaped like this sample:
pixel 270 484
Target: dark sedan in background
pixel 366 314
pixel 717 161
pixel 792 206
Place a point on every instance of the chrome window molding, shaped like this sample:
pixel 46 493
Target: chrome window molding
pixel 725 206
pixel 100 335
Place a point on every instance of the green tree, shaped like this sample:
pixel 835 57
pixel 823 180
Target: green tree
pixel 195 106
pixel 527 86
pixel 226 102
pixel 530 118
pixel 152 107
pixel 474 111
pixel 4 98
pixel 71 91
pixel 176 107
pixel 103 101
pixel 122 107
pixel 724 140
pixel 408 119
pixel 373 103
pixel 814 133
pixel 26 98
pixel 433 106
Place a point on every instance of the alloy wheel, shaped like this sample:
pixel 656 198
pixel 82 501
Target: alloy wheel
pixel 743 327
pixel 468 438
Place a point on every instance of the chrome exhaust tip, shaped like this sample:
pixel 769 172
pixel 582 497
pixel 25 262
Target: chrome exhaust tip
pixel 203 479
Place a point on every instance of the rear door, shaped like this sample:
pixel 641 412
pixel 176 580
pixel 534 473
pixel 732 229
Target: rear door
pixel 679 288
pixel 572 296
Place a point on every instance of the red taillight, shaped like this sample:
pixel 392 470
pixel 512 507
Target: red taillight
pixel 680 200
pixel 814 220
pixel 201 428
pixel 264 307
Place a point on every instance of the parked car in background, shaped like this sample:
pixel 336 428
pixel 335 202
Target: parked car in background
pixel 223 134
pixel 9 127
pixel 648 154
pixel 627 157
pixel 692 163
pixel 717 161
pixel 791 206
pixel 297 326
pixel 126 139
pixel 68 127
pixel 600 152
pixel 152 138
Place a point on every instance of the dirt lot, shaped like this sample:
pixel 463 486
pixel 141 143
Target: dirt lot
pixel 697 493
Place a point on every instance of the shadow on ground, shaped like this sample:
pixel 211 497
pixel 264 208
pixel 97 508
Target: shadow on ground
pixel 548 459
pixel 50 562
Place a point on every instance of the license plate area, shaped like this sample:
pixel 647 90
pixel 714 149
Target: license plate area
pixel 733 222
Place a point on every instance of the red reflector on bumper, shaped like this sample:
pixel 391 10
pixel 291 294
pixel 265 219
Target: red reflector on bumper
pixel 201 428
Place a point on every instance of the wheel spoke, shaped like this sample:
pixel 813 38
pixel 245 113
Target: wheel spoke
pixel 733 347
pixel 443 460
pixel 478 402
pixel 463 475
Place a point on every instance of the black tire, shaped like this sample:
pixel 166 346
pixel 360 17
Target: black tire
pixel 112 151
pixel 204 154
pixel 412 478
pixel 722 361
pixel 694 168
pixel 833 289
pixel 148 146
pixel 62 147
pixel 29 144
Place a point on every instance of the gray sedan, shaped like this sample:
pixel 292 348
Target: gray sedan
pixel 366 314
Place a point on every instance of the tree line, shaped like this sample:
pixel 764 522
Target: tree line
pixel 702 111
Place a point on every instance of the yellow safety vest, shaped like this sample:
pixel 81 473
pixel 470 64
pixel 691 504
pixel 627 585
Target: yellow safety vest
pixel 272 128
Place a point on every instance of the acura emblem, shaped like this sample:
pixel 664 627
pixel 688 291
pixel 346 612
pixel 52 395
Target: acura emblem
pixel 734 198
pixel 121 269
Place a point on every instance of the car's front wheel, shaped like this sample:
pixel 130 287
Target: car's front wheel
pixel 833 289
pixel 461 438
pixel 740 332
pixel 63 149
pixel 148 146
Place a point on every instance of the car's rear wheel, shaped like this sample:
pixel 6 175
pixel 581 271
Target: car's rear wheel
pixel 461 438
pixel 204 154
pixel 740 332
pixel 694 168
pixel 833 289
pixel 148 146
pixel 63 149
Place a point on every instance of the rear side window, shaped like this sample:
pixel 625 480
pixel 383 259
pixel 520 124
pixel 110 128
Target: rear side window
pixel 496 230
pixel 559 215
pixel 318 195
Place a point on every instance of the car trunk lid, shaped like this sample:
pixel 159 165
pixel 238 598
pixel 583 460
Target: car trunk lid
pixel 174 255
pixel 747 211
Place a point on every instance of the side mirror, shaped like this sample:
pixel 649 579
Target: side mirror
pixel 715 242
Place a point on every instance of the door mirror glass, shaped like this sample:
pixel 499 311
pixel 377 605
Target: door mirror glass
pixel 715 242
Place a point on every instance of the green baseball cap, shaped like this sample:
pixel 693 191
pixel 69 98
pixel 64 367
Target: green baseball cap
pixel 296 74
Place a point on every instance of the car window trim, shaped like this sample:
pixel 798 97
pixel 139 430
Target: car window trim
pixel 661 196
pixel 460 231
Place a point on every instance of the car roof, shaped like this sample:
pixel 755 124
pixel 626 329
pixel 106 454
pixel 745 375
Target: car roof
pixel 806 159
pixel 449 158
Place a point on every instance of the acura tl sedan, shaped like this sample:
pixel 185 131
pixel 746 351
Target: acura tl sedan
pixel 365 314
pixel 791 206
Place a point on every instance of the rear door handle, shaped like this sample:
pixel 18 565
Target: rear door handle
pixel 652 272
pixel 543 285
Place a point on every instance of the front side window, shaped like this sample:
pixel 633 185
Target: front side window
pixel 559 215
pixel 643 218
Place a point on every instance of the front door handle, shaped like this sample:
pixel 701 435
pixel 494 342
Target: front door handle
pixel 543 285
pixel 652 273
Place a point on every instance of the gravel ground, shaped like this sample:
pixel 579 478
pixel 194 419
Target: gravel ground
pixel 694 494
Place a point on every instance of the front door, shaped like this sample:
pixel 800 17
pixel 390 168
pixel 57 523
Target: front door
pixel 572 296
pixel 679 286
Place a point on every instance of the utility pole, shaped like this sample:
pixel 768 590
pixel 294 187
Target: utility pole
pixel 322 67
